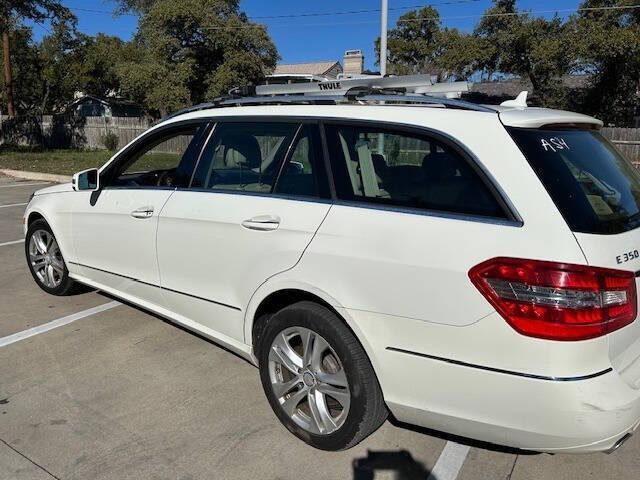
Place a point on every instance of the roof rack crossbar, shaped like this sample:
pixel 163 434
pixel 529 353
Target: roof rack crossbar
pixel 429 100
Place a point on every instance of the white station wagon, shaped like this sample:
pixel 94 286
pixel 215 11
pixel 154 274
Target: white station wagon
pixel 465 268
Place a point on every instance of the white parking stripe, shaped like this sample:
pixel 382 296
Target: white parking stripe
pixel 450 462
pixel 16 337
pixel 13 205
pixel 23 184
pixel 11 243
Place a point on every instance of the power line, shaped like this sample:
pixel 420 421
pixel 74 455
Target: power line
pixel 408 20
pixel 310 14
pixel 372 10
pixel 419 19
pixel 515 14
pixel 35 22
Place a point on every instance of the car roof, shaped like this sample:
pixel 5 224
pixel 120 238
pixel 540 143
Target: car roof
pixel 522 117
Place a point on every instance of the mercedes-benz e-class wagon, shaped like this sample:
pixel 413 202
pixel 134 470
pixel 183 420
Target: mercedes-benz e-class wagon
pixel 470 270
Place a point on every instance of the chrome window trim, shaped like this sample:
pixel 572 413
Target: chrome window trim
pixel 515 221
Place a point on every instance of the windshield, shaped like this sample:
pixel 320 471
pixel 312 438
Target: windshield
pixel 593 186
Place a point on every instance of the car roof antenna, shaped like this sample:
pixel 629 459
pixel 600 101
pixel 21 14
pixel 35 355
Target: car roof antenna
pixel 519 102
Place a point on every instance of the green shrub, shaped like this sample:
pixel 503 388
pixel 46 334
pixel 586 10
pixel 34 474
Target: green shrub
pixel 110 141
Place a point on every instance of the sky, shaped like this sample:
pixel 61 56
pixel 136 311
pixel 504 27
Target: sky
pixel 315 37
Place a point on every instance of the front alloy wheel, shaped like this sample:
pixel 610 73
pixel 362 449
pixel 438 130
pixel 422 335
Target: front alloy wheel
pixel 45 260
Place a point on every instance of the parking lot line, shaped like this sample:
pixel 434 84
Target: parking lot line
pixel 13 205
pixel 12 242
pixel 23 184
pixel 450 462
pixel 60 322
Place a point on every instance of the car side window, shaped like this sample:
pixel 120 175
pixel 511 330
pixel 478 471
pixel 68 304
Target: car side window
pixel 244 156
pixel 304 173
pixel 390 167
pixel 165 159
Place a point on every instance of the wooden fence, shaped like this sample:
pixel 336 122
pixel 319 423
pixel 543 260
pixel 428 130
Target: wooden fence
pixel 58 131
pixel 89 132
pixel 627 140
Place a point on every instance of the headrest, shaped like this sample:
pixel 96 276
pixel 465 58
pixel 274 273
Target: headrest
pixel 440 165
pixel 242 150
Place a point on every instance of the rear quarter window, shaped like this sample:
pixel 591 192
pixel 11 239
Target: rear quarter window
pixel 594 187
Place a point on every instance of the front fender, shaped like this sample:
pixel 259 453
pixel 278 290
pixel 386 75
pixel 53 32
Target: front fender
pixel 41 205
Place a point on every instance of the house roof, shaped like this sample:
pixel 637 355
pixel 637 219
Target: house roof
pixel 309 68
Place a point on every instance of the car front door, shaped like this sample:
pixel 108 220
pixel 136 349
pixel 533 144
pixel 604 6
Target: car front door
pixel 114 229
pixel 258 196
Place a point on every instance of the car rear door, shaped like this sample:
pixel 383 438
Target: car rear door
pixel 598 193
pixel 257 198
pixel 114 229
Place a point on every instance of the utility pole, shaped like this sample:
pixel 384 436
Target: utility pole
pixel 383 37
pixel 384 10
pixel 6 57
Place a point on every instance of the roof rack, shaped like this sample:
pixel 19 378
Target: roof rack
pixel 411 89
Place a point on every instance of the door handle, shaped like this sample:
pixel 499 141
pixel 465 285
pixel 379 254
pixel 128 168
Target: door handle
pixel 142 212
pixel 263 223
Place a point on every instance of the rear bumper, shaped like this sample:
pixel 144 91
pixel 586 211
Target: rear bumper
pixel 548 415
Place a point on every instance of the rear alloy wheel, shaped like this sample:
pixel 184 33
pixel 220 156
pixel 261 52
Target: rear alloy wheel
pixel 309 381
pixel 318 378
pixel 45 260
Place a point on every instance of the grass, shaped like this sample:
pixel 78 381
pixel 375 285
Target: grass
pixel 61 162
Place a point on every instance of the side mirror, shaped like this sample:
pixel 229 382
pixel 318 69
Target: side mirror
pixel 87 180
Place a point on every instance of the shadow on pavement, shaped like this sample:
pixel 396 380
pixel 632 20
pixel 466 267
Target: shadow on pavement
pixel 400 463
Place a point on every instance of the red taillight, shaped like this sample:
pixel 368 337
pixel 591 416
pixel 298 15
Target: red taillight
pixel 557 301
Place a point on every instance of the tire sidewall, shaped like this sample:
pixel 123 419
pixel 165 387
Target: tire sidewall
pixel 64 284
pixel 323 322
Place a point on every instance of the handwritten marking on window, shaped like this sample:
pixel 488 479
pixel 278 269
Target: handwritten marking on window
pixel 554 144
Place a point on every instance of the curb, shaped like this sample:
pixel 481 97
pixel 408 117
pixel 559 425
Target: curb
pixel 45 177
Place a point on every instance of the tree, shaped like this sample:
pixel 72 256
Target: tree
pixel 98 72
pixel 136 6
pixel 61 57
pixel 188 51
pixel 530 47
pixel 36 10
pixel 607 43
pixel 26 74
pixel 415 45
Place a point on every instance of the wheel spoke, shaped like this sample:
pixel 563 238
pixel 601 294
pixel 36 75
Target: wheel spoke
pixel 308 340
pixel 290 405
pixel 338 379
pixel 58 264
pixel 40 242
pixel 280 389
pixel 320 413
pixel 319 347
pixel 342 396
pixel 50 276
pixel 285 355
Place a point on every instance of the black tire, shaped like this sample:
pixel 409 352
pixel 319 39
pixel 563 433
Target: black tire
pixel 66 286
pixel 366 411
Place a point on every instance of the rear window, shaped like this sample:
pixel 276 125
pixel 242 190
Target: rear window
pixel 593 186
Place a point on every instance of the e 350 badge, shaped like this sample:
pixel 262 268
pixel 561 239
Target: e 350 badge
pixel 627 256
